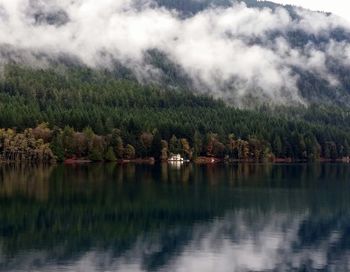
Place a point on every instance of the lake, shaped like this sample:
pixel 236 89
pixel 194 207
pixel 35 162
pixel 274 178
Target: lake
pixel 108 217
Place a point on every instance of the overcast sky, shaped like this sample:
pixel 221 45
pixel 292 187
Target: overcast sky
pixel 339 7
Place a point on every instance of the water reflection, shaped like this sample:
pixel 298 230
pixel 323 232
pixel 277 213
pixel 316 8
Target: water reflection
pixel 246 217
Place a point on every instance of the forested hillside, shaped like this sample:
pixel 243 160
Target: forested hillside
pixel 312 86
pixel 247 53
pixel 190 7
pixel 81 105
pixel 242 80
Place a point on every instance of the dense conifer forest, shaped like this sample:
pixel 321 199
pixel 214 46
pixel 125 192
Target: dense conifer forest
pixel 67 110
pixel 83 113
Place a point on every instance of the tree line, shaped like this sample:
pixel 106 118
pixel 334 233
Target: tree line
pixel 43 144
pixel 95 114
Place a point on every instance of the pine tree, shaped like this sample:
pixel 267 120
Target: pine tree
pixel 156 148
pixel 129 152
pixel 277 146
pixel 197 144
pixel 57 147
pixel 117 143
pixel 110 156
pixel 96 154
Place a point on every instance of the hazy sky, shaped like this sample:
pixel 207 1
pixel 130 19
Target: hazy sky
pixel 339 7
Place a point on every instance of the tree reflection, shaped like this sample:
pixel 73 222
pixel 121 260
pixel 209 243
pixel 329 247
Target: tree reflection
pixel 160 213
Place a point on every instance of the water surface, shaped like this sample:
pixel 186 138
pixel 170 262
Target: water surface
pixel 220 218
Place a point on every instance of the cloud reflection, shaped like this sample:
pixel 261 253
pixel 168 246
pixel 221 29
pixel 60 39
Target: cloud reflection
pixel 240 241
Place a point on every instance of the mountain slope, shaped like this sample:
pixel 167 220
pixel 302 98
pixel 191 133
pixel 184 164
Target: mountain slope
pixel 245 52
pixel 313 86
pixel 83 98
pixel 246 80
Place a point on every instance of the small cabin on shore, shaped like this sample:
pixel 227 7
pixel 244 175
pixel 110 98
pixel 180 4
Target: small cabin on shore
pixel 175 158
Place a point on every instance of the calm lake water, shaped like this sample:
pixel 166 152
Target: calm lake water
pixel 167 218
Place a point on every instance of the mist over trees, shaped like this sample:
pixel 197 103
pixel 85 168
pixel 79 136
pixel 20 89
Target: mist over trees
pixel 245 52
pixel 241 80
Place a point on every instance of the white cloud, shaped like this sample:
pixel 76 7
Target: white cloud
pixel 217 48
pixel 319 23
pixel 339 7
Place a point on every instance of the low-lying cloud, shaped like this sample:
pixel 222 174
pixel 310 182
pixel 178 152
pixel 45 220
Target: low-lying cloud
pixel 230 52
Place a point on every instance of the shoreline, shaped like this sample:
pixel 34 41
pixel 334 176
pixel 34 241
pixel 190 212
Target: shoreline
pixel 197 161
pixel 205 161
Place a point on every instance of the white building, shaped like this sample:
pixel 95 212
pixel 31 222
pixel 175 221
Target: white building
pixel 175 158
